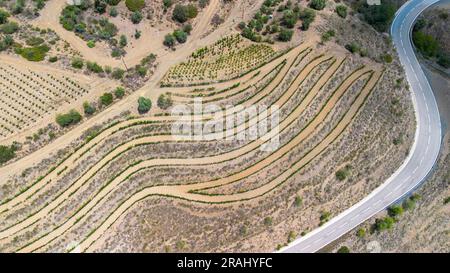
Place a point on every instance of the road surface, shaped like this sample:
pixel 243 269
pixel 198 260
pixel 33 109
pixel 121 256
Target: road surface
pixel 423 154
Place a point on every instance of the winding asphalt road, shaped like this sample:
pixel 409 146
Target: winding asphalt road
pixel 423 154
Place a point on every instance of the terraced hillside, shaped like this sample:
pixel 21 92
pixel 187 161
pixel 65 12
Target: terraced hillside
pixel 322 96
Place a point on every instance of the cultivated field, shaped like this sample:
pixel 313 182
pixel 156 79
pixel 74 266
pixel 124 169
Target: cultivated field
pixel 33 94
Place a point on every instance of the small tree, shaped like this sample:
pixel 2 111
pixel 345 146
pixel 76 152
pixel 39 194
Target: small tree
pixel 169 40
pixel 123 41
pixel 341 10
pixel 343 249
pixel 187 28
pixel 285 35
pixel 68 119
pixel 268 221
pixel 118 73
pixel 307 16
pixel 136 17
pixel 361 233
pixel 7 153
pixel 180 35
pixel 88 108
pixel 119 92
pixel 164 101
pixel 100 6
pixel 77 63
pixel 106 99
pixel 318 4
pixel 144 105
pixel 4 15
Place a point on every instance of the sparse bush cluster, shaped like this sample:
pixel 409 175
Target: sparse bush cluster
pixel 7 153
pixel 179 35
pixel 264 23
pixel 70 118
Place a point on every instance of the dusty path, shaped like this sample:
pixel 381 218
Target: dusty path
pixel 306 132
pixel 184 191
pixel 151 139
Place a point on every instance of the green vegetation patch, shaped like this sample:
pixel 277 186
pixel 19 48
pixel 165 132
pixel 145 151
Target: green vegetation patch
pixel 34 54
pixel 7 153
pixel 135 5
pixel 64 120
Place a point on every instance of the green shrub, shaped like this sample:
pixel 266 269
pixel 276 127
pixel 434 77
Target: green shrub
pixel 361 233
pixel 88 108
pixel 77 63
pixel 33 54
pixel 167 3
pixel 135 5
pixel 6 43
pixel 447 200
pixel 387 58
pixel 70 17
pixel 268 221
pixel 379 16
pixel 144 105
pixel 180 36
pixel 182 13
pixel 68 119
pixel 343 173
pixel 307 16
pixel 384 223
pixel 164 101
pixel 353 47
pixel 141 70
pixel 100 6
pixel 94 67
pixel 91 44
pixel 426 44
pixel 343 249
pixel 187 28
pixel 327 35
pixel 137 34
pixel 318 4
pixel 444 60
pixel 285 35
pixel 34 41
pixel 169 40
pixel 395 211
pixel 53 59
pixel 113 12
pixel 7 153
pixel 298 201
pixel 106 99
pixel 289 18
pixel 118 73
pixel 9 28
pixel 113 2
pixel 136 17
pixel 341 10
pixel 4 15
pixel 119 92
pixel 123 41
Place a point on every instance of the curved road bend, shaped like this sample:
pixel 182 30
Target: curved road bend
pixel 423 154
